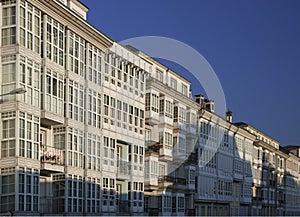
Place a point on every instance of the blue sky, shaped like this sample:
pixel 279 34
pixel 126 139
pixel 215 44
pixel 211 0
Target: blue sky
pixel 252 45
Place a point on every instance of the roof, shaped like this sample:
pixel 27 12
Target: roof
pixel 143 54
pixel 243 124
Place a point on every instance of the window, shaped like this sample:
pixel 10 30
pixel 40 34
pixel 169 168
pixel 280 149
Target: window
pixel 108 195
pixel 182 115
pixel 30 27
pixel 9 72
pixel 55 41
pixel 94 107
pixel 8 24
pixel 184 89
pixel 54 97
pixel 30 74
pixel 167 203
pixel 135 193
pixel 159 75
pixel 9 16
pixel 168 142
pixel 77 54
pixel 166 108
pixel 93 152
pixel 147 101
pixel 76 144
pixel 94 64
pixel 76 106
pixel 7 196
pixel 29 136
pixel 154 102
pixel 9 36
pixel 8 148
pixel 8 128
pixel 180 203
pixel 173 83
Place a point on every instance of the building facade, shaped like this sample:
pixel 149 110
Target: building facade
pixel 224 173
pixel 74 143
pixel 104 129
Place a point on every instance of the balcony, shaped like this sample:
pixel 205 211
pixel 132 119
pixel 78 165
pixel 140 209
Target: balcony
pixel 52 159
pixel 153 146
pixel 165 179
pixel 49 119
pixel 152 118
pixel 151 183
pixel 179 126
pixel 123 169
pixel 166 154
pixel 191 130
pixel 163 119
pixel 180 181
pixel 179 155
pixel 170 180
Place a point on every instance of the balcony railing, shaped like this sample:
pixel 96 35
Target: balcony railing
pixel 153 146
pixel 180 181
pixel 52 155
pixel 123 167
pixel 165 179
pixel 175 180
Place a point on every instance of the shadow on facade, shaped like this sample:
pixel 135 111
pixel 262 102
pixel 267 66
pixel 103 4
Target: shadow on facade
pixel 213 180
pixel 48 193
pixel 276 186
pixel 82 197
pixel 225 185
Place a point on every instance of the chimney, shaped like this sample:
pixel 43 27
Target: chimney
pixel 210 105
pixel 229 116
pixel 199 99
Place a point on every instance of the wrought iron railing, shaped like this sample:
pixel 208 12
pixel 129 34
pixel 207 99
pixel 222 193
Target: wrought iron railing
pixel 52 155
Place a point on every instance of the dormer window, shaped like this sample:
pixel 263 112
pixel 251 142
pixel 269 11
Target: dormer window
pixel 184 89
pixel 159 75
pixel 173 83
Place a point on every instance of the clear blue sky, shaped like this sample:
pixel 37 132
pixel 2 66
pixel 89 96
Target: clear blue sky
pixel 252 45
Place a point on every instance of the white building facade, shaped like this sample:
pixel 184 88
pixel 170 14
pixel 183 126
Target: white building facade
pixel 104 129
pixel 74 143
